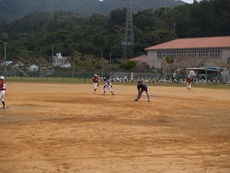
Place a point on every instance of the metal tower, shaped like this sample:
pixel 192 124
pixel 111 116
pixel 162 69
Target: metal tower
pixel 51 10
pixel 129 35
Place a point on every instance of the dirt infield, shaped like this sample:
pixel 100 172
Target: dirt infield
pixel 67 128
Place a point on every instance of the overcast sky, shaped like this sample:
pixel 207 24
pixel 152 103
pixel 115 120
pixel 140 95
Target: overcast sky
pixel 188 1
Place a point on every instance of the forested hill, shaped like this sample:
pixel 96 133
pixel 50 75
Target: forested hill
pixel 35 35
pixel 11 10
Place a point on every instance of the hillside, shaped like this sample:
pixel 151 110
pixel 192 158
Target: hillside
pixel 34 35
pixel 11 10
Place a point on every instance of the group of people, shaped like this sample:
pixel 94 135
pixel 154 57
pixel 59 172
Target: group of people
pixel 141 87
pixel 108 85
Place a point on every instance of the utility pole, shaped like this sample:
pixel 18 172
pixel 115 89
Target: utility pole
pixel 52 54
pixel 5 55
pixel 52 51
pixel 110 56
pixel 128 41
pixel 102 68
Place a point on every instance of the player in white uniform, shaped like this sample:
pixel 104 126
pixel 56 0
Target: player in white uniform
pixel 109 85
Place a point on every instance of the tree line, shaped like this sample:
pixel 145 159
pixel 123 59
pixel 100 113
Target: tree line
pixel 100 36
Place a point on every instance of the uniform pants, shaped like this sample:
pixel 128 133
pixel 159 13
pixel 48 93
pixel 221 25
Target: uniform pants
pixel 2 93
pixel 140 93
pixel 110 88
pixel 189 85
pixel 96 85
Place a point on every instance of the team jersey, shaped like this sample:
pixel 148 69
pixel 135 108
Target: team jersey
pixel 95 80
pixel 108 85
pixel 142 87
pixel 2 86
pixel 189 80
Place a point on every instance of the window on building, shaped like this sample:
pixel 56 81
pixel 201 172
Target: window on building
pixel 171 53
pixel 215 53
pixel 192 53
pixel 203 53
pixel 161 54
pixel 181 53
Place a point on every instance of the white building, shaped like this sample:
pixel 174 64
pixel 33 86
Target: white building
pixel 60 61
pixel 33 68
pixel 216 49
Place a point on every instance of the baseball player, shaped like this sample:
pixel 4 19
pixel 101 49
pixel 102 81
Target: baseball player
pixel 2 90
pixel 189 83
pixel 109 85
pixel 141 88
pixel 95 82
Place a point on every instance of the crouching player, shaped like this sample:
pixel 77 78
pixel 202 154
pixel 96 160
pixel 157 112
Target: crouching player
pixel 2 90
pixel 141 88
pixel 109 85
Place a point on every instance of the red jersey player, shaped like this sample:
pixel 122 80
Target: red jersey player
pixel 95 82
pixel 189 83
pixel 2 90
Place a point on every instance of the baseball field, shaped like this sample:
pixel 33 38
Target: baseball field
pixel 67 128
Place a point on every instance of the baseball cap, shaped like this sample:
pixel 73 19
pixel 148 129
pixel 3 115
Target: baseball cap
pixel 2 77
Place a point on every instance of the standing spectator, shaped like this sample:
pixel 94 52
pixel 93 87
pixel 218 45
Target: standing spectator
pixel 141 88
pixel 173 76
pixel 131 77
pixel 2 91
pixel 95 82
pixel 189 83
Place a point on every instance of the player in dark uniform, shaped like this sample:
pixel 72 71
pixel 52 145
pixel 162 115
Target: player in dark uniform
pixel 141 88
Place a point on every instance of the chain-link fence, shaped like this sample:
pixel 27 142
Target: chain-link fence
pixel 115 76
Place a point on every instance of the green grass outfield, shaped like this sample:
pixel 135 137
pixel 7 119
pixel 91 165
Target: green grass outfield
pixel 88 81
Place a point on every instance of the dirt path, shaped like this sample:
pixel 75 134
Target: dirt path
pixel 66 128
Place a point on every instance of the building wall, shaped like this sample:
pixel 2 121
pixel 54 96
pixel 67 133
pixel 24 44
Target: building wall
pixel 147 60
pixel 225 55
pixel 153 59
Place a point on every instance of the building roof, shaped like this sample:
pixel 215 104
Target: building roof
pixel 5 63
pixel 137 58
pixel 194 43
pixel 207 68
